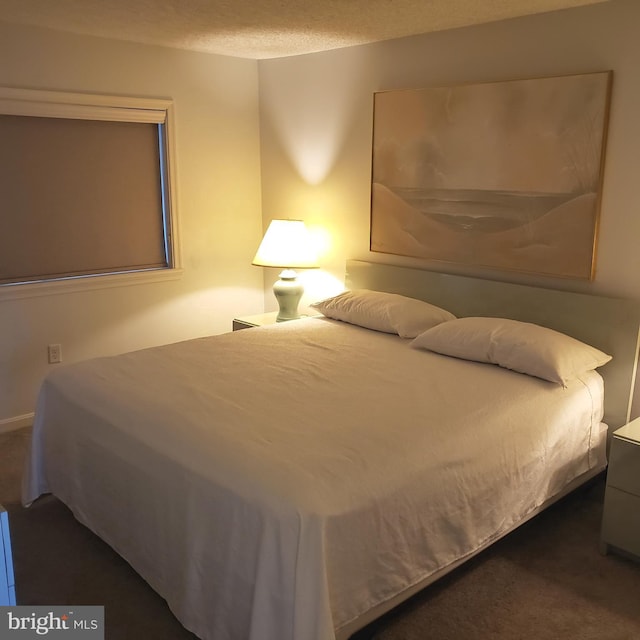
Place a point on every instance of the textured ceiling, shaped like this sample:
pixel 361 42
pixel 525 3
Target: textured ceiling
pixel 266 28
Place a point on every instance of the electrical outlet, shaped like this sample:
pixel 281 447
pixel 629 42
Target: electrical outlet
pixel 55 353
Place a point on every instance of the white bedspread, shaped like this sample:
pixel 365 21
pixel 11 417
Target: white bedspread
pixel 276 483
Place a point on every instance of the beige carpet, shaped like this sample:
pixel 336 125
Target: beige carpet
pixel 546 581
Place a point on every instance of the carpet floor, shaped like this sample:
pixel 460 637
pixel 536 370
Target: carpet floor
pixel 545 581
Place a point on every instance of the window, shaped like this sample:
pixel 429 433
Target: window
pixel 86 190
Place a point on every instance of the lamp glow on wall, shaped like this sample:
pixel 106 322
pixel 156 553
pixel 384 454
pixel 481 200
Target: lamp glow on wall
pixel 287 245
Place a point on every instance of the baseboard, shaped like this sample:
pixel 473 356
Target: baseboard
pixel 17 422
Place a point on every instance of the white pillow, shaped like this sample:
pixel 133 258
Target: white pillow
pixel 520 346
pixel 388 312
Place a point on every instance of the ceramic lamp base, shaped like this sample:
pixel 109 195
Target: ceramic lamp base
pixel 288 292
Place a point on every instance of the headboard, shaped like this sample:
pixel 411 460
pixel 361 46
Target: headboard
pixel 610 324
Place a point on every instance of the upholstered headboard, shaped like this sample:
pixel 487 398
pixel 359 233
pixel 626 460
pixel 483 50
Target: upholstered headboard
pixel 610 324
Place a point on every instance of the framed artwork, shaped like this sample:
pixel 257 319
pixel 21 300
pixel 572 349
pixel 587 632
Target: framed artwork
pixel 505 175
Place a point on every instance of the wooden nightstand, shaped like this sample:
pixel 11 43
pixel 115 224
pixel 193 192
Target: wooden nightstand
pixel 7 585
pixel 621 518
pixel 261 319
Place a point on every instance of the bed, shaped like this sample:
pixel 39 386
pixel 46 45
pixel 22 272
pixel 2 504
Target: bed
pixel 294 482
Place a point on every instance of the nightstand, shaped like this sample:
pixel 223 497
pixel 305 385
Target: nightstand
pixel 621 517
pixel 7 585
pixel 261 319
pixel 258 320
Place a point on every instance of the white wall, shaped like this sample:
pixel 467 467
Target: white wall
pixel 218 193
pixel 316 124
pixel 310 154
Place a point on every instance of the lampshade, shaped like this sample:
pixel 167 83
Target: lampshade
pixel 287 244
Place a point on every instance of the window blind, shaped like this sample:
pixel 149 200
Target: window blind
pixel 80 197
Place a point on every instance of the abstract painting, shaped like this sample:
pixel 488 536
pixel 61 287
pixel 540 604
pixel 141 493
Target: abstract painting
pixel 505 175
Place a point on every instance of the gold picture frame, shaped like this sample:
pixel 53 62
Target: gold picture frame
pixel 505 175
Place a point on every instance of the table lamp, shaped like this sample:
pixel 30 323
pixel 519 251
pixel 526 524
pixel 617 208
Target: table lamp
pixel 287 245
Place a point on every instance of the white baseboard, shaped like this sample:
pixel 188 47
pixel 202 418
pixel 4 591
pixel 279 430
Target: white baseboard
pixel 17 422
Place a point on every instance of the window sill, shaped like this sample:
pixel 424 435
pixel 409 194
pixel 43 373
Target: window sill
pixel 87 283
